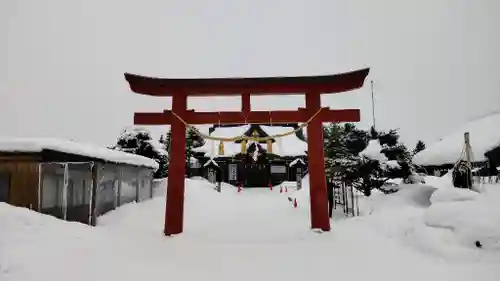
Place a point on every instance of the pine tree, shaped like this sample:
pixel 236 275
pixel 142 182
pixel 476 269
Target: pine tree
pixel 165 160
pixel 162 171
pixel 136 141
pixel 390 139
pixel 165 141
pixel 342 146
pixel 336 151
pixel 355 140
pixel 139 141
pixel 334 141
pixel 394 162
pixel 193 140
pixel 343 152
pixel 419 147
pixel 399 158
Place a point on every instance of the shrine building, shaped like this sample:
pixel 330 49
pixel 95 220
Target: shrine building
pixel 253 163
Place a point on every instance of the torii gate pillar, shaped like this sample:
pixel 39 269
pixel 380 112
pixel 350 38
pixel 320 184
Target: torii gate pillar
pixel 174 212
pixel 317 177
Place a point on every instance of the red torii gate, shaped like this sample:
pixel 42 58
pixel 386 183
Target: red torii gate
pixel 311 86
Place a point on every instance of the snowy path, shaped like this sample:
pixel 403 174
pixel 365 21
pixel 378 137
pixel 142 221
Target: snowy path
pixel 255 235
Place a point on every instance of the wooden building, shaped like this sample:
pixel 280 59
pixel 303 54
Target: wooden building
pixel 438 158
pixel 69 180
pixel 254 164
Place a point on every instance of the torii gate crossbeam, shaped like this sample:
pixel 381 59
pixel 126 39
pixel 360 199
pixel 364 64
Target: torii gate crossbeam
pixel 312 87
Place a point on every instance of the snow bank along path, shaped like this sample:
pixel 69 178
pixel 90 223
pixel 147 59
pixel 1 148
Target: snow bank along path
pixel 253 235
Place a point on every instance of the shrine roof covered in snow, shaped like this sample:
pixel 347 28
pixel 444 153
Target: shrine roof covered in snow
pixel 289 145
pixel 335 83
pixel 38 145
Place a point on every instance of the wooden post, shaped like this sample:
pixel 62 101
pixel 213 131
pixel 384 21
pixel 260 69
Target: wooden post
pixel 468 159
pixel 467 148
pixel 317 176
pixel 119 187
pixel 174 211
pixel 40 181
pixel 94 168
pixel 138 185
pixel 65 191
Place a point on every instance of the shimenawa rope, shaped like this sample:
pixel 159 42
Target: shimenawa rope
pixel 243 137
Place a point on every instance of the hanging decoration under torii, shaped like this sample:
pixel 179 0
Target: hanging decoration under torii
pixel 245 139
pixel 255 137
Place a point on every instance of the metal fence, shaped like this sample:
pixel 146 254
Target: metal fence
pixel 346 197
pixel 65 191
pixel 83 191
pixel 159 187
pixel 486 179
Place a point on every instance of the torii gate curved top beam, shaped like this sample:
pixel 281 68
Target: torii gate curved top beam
pixel 257 86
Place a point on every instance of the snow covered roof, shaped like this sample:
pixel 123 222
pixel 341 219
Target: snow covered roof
pixel 297 160
pixel 34 145
pixel 286 146
pixel 211 161
pixel 484 136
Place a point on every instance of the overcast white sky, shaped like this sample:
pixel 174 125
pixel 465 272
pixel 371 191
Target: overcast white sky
pixel 435 63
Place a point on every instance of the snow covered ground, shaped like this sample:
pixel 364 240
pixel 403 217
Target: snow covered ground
pixel 423 232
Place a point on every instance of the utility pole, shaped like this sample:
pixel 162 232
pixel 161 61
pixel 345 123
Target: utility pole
pixel 373 105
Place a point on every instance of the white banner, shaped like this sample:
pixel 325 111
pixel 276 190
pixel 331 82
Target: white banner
pixel 299 181
pixel 278 170
pixel 233 172
pixel 211 175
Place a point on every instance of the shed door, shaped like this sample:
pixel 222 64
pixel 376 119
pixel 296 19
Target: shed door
pixel 4 187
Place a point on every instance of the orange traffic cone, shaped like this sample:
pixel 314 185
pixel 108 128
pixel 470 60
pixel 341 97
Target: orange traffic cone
pixel 286 189
pixel 281 189
pixel 295 203
pixel 271 187
pixel 239 188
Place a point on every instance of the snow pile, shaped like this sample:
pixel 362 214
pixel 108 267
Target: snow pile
pixel 470 216
pixel 301 196
pixel 447 192
pixel 226 216
pixel 452 221
pixel 484 136
pixel 253 233
pixel 445 180
pixel 452 194
pixel 372 151
pixel 35 246
pixel 435 219
pixel 408 196
pixel 160 185
pixel 36 145
pixel 198 192
pixel 448 230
